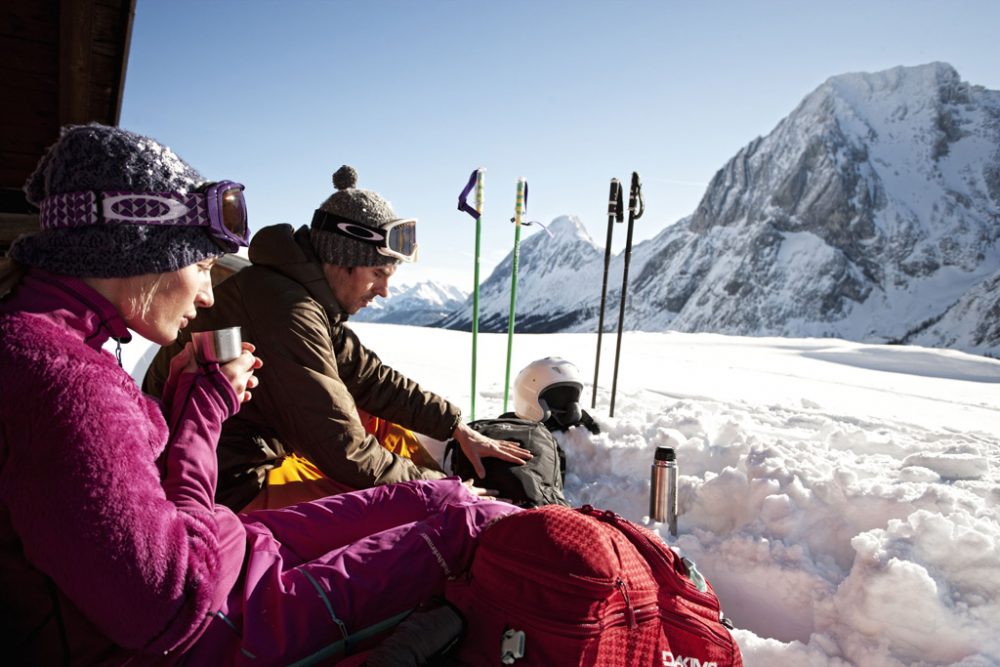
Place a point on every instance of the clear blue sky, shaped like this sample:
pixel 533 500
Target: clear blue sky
pixel 415 95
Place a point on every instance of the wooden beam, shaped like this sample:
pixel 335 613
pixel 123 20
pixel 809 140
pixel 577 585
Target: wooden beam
pixel 127 18
pixel 75 35
pixel 13 225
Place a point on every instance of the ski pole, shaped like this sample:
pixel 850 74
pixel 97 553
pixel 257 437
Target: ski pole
pixel 635 211
pixel 614 215
pixel 520 204
pixel 476 179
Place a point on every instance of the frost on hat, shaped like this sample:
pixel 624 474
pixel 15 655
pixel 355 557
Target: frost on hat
pixel 103 158
pixel 362 206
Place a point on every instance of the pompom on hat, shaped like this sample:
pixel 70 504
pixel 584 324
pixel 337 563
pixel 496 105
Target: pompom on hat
pixel 362 206
pixel 102 158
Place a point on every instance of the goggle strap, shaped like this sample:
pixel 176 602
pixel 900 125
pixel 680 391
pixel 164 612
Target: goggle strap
pixel 331 222
pixel 77 209
pixel 86 208
pixel 380 237
pixel 69 210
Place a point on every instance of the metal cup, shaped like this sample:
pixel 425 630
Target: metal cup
pixel 220 346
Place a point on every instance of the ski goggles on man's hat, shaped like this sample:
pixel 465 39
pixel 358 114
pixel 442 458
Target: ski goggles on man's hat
pixel 396 239
pixel 219 206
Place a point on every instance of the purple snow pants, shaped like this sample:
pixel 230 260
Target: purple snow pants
pixel 334 566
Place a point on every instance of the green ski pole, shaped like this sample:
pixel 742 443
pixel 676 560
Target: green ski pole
pixel 519 206
pixel 476 179
pixel 475 289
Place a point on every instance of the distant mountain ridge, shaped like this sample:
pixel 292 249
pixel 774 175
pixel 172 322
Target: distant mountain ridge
pixel 551 270
pixel 871 213
pixel 419 304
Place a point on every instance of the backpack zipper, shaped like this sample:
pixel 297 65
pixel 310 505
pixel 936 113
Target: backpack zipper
pixel 629 610
pixel 696 626
pixel 515 565
pixel 631 616
pixel 586 628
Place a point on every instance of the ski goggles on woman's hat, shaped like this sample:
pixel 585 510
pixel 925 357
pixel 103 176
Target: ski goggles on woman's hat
pixel 219 206
pixel 396 239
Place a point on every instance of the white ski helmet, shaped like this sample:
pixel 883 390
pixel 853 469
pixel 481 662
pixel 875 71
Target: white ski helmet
pixel 547 386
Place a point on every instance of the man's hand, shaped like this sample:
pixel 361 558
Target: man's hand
pixel 477 446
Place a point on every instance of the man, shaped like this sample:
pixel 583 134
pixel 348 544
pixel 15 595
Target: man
pixel 302 437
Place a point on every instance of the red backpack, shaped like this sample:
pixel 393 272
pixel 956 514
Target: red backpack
pixel 557 586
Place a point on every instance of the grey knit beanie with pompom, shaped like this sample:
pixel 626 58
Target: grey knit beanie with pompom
pixel 361 206
pixel 102 158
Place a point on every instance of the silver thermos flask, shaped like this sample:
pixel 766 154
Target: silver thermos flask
pixel 663 488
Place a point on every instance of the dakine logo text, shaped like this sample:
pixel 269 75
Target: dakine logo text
pixel 670 660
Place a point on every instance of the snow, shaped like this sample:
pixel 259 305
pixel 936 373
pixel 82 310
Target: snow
pixel 842 498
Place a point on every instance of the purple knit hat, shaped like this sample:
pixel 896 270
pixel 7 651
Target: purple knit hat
pixel 102 158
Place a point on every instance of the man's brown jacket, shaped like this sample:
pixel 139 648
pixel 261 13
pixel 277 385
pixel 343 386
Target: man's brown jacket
pixel 315 374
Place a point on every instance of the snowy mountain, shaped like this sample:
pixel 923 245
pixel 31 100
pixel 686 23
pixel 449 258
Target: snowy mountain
pixel 868 211
pixel 972 324
pixel 871 212
pixel 556 274
pixel 420 304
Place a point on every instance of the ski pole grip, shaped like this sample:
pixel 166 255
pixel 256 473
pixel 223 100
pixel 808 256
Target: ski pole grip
pixel 636 206
pixel 521 203
pixel 479 189
pixel 620 211
pixel 615 201
pixel 463 197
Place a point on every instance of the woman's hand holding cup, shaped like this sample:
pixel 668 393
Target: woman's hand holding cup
pixel 235 357
pixel 240 372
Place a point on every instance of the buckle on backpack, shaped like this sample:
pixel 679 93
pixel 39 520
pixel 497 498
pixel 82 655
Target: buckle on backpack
pixel 511 646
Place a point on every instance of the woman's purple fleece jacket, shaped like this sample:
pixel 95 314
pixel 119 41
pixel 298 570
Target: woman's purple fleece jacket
pixel 87 462
pixel 112 549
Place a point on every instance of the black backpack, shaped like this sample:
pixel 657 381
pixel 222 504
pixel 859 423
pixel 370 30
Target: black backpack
pixel 537 482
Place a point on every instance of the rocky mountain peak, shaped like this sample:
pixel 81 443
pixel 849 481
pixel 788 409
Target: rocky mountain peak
pixel 871 212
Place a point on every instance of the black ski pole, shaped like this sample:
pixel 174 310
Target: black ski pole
pixel 635 211
pixel 615 214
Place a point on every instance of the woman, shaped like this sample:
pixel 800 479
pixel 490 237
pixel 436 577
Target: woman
pixel 111 546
